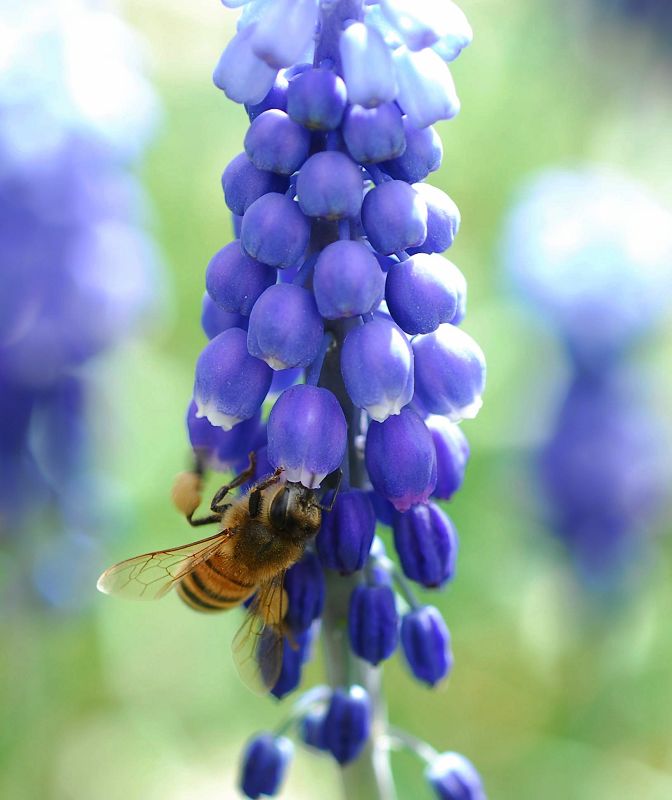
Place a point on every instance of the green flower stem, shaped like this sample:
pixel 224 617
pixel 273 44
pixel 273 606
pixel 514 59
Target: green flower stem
pixel 370 776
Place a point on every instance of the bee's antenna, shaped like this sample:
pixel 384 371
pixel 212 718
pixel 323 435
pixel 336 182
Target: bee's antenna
pixel 336 491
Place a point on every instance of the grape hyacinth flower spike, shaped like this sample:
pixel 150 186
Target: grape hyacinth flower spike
pixel 332 321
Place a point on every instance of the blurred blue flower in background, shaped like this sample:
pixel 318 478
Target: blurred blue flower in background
pixel 77 268
pixel 655 13
pixel 592 251
pixel 606 474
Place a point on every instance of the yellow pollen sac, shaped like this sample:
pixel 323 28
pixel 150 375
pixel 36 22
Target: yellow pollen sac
pixel 186 492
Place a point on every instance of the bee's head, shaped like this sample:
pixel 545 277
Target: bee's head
pixel 295 511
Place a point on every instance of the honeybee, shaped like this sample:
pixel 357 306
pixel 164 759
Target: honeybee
pixel 263 533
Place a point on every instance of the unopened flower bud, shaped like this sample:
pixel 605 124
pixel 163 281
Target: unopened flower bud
pixel 243 183
pixel 374 134
pixel 423 154
pixel 215 320
pixel 385 511
pixel 443 219
pixel 316 99
pixel 312 730
pixel 394 217
pixel 330 185
pixel 454 777
pixel 275 231
pixel 285 327
pixel 426 644
pixel 275 143
pixel 373 623
pixel 426 542
pixel 348 280
pixel 348 723
pixel 344 540
pixel 421 293
pixel 235 280
pixel 276 97
pixel 304 584
pixel 221 449
pixel 401 460
pixel 295 653
pixel 264 765
pixel 452 455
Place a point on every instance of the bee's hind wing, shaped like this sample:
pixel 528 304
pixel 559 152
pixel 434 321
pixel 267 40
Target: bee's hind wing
pixel 151 575
pixel 258 646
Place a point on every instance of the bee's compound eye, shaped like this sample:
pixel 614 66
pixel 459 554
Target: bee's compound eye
pixel 254 503
pixel 279 509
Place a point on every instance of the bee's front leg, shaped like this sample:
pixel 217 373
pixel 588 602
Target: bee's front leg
pixel 254 503
pixel 186 493
pixel 245 475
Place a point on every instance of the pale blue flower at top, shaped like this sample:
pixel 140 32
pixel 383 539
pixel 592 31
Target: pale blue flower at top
pixel 285 31
pixel 397 52
pixel 427 91
pixel 442 26
pixel 367 66
pixel 425 23
pixel 240 74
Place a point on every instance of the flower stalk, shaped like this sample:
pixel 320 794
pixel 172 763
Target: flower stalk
pixel 370 776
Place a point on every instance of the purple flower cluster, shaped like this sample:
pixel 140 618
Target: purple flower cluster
pixel 340 241
pixel 604 285
pixel 77 270
pixel 334 317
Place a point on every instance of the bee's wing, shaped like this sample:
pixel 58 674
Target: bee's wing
pixel 259 644
pixel 151 575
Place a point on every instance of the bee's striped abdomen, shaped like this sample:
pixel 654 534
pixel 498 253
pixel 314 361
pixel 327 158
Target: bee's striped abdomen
pixel 207 588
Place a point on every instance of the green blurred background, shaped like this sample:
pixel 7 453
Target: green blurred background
pixel 551 696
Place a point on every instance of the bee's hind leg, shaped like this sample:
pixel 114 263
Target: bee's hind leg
pixel 187 492
pixel 209 520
